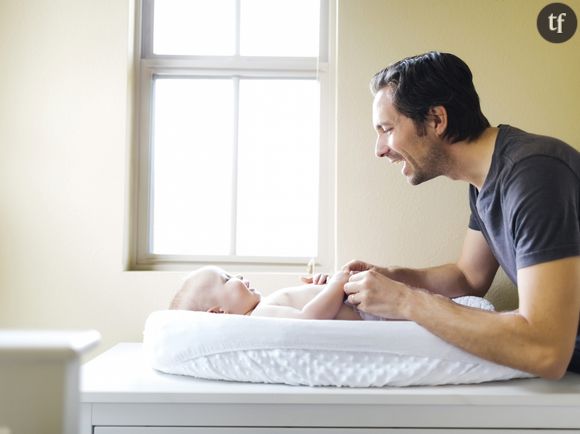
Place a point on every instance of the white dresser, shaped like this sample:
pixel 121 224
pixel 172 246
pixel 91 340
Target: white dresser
pixel 39 380
pixel 121 394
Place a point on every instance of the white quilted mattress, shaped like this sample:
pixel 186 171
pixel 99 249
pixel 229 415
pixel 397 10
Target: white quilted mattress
pixel 309 352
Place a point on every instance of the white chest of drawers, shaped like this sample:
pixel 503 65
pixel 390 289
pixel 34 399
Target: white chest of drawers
pixel 121 394
pixel 39 380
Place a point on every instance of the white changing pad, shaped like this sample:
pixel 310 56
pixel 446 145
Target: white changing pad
pixel 309 352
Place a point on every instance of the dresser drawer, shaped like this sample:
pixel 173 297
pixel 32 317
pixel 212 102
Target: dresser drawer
pixel 274 430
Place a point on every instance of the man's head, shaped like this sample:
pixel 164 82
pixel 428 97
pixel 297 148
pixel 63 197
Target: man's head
pixel 211 289
pixel 433 79
pixel 422 105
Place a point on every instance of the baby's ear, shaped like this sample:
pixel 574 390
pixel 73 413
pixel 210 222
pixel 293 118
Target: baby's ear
pixel 216 309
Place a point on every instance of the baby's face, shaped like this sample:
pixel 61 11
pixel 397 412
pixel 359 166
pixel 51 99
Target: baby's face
pixel 234 293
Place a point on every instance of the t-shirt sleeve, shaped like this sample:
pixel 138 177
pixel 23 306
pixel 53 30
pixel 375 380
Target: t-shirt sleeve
pixel 541 197
pixel 473 222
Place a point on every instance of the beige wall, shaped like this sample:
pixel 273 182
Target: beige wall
pixel 64 153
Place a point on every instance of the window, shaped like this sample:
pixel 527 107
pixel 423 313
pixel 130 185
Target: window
pixel 235 162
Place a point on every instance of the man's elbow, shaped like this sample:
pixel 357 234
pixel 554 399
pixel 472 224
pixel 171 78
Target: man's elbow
pixel 553 364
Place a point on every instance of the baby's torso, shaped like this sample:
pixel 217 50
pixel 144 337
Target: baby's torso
pixel 295 296
pixel 299 296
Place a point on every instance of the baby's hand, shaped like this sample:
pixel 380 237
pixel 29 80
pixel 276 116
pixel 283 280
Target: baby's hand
pixel 317 279
pixel 341 276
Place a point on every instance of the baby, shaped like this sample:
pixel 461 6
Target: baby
pixel 211 289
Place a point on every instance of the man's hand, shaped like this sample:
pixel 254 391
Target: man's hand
pixel 356 266
pixel 372 292
pixel 472 274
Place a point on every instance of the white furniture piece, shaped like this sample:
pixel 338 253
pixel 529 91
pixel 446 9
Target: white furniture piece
pixel 39 380
pixel 121 394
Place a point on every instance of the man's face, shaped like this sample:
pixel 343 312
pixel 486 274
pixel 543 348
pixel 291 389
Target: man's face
pixel 422 156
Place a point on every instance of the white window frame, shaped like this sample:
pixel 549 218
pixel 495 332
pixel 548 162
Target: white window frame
pixel 149 65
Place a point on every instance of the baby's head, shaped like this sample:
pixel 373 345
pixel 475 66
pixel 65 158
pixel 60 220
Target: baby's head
pixel 211 289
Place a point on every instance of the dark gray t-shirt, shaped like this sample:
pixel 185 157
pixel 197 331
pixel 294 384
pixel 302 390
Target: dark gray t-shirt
pixel 528 208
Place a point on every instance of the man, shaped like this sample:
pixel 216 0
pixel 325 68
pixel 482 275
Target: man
pixel 525 204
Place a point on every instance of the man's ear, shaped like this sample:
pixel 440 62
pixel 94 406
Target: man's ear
pixel 438 119
pixel 216 309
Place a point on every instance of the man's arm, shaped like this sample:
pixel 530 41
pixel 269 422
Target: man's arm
pixel 472 274
pixel 325 305
pixel 539 338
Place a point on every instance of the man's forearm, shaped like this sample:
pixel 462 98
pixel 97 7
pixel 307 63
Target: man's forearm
pixel 504 338
pixel 447 280
pixel 539 338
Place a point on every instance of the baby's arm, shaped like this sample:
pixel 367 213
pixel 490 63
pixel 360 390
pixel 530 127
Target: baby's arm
pixel 325 305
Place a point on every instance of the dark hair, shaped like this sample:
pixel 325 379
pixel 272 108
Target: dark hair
pixel 435 79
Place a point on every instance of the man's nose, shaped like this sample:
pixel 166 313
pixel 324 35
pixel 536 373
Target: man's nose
pixel 381 148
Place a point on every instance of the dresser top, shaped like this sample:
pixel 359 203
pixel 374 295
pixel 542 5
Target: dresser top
pixel 46 343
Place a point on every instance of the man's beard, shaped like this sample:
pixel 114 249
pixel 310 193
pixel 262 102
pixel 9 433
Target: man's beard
pixel 433 165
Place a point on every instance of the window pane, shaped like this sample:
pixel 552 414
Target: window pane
pixel 194 27
pixel 279 28
pixel 192 166
pixel 278 168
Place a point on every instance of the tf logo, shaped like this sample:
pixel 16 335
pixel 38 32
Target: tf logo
pixel 557 23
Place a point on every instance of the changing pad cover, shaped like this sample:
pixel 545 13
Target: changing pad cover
pixel 309 352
